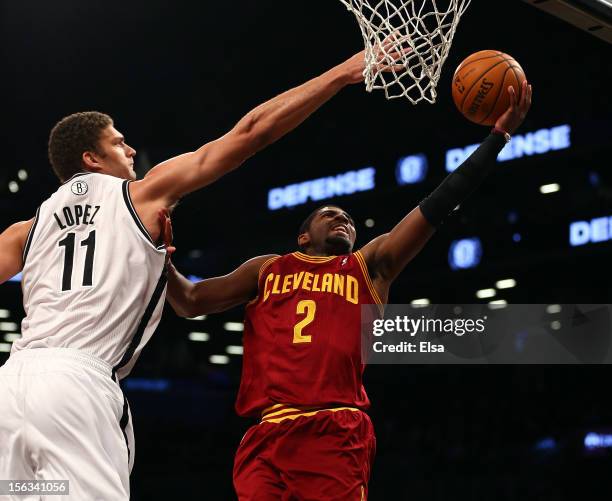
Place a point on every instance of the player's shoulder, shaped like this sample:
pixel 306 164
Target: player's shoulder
pixel 18 232
pixel 261 263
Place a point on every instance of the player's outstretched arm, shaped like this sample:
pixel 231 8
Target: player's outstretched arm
pixel 214 295
pixel 12 242
pixel 169 181
pixel 388 254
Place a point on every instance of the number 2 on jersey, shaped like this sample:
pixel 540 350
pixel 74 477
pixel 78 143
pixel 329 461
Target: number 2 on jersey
pixel 309 307
pixel 68 244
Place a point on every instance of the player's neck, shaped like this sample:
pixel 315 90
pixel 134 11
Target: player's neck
pixel 325 252
pixel 315 253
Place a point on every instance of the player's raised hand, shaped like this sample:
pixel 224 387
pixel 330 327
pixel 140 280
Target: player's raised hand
pixel 166 235
pixel 516 113
pixel 388 58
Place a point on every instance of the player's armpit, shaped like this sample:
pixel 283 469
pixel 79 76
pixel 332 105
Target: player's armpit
pixel 217 294
pixel 12 242
pixel 387 255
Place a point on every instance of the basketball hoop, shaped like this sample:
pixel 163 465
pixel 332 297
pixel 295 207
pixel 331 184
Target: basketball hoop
pixel 407 43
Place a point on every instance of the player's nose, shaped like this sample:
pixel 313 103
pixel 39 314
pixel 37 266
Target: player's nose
pixel 341 218
pixel 131 152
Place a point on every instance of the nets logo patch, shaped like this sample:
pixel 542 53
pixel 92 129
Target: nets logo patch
pixel 79 188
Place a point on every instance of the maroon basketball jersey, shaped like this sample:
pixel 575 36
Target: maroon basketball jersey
pixel 302 339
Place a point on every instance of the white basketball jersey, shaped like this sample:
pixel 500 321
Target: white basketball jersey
pixel 93 279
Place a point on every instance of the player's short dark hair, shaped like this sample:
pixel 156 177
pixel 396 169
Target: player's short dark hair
pixel 71 137
pixel 305 226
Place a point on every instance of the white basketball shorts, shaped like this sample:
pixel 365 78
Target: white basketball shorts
pixel 63 417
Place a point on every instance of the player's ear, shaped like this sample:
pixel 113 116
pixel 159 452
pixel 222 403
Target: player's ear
pixel 91 162
pixel 303 240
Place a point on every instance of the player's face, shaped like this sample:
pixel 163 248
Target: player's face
pixel 117 157
pixel 332 231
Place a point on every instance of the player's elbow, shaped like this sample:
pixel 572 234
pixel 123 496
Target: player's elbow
pixel 182 310
pixel 183 305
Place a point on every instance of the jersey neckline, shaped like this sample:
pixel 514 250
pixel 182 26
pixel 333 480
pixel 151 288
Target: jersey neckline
pixel 312 259
pixel 78 174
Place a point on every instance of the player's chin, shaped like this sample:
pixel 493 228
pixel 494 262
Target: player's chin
pixel 339 243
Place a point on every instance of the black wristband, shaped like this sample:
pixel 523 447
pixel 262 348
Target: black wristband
pixel 461 183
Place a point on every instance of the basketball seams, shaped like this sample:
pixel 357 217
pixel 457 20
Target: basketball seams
pixel 467 93
pixel 465 64
pixel 492 67
pixel 499 94
pixel 514 64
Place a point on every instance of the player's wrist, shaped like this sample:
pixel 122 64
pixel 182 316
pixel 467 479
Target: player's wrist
pixel 502 132
pixel 346 73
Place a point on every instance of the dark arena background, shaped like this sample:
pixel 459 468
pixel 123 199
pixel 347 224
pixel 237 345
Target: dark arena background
pixel 175 76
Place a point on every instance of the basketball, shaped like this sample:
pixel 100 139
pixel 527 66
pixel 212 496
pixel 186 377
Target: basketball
pixel 480 85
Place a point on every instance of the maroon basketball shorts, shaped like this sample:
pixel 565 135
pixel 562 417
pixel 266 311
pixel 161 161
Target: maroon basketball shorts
pixel 297 455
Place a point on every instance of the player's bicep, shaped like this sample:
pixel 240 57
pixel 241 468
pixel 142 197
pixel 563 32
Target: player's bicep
pixel 12 242
pixel 165 183
pixel 171 180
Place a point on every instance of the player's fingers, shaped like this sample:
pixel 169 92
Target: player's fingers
pixel 166 234
pixel 168 230
pixel 162 224
pixel 512 93
pixel 393 67
pixel 397 55
pixel 524 94
pixel 390 40
pixel 525 99
pixel 529 96
pixel 394 42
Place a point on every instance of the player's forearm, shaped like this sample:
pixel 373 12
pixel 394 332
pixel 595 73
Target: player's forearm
pixel 275 118
pixel 390 254
pixel 180 293
pixel 12 242
pixel 10 263
pixel 460 184
pixel 8 271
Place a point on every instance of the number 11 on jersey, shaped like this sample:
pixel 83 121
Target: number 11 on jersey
pixel 69 250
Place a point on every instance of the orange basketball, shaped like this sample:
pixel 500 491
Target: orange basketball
pixel 480 85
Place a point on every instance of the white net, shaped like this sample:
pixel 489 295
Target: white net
pixel 407 43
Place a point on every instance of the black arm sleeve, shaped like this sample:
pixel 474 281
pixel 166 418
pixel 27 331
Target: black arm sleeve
pixel 461 183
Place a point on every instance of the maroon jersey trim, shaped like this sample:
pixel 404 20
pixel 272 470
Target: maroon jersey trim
pixel 267 263
pixel 313 259
pixel 366 276
pixel 263 267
